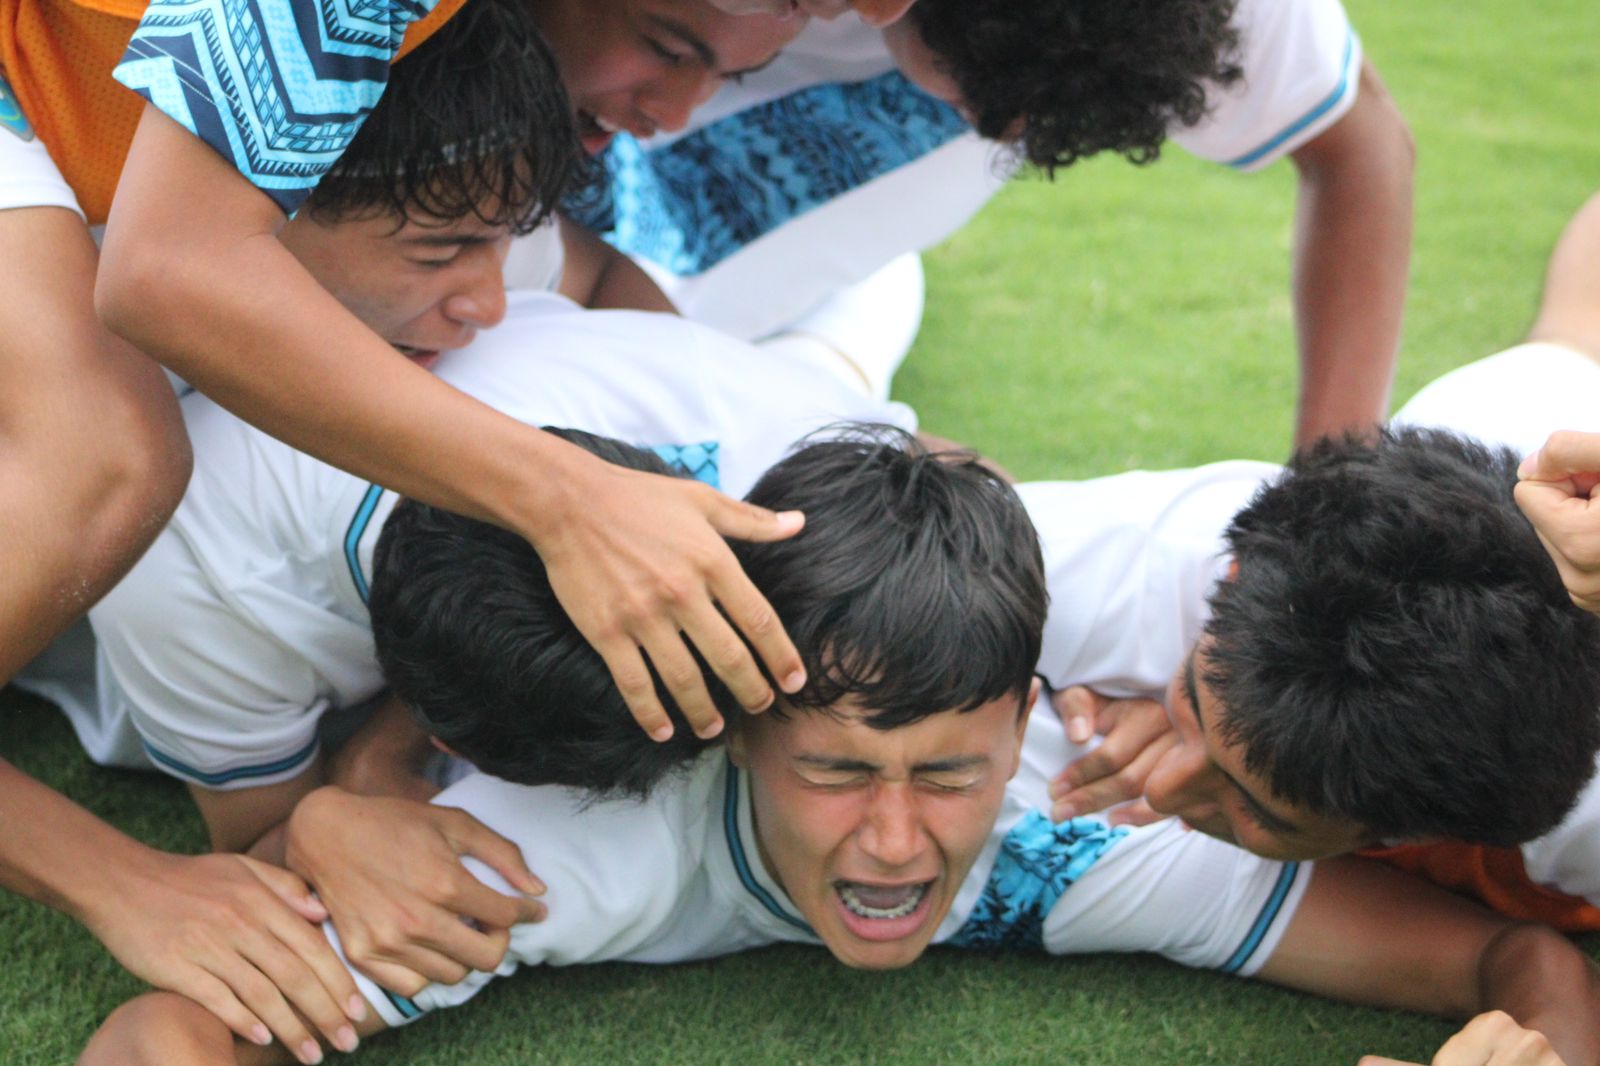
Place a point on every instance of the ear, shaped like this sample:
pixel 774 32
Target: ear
pixel 1022 726
pixel 734 741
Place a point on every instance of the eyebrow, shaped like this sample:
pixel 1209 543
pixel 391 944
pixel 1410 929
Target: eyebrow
pixel 687 37
pixel 447 240
pixel 953 764
pixel 1267 819
pixel 702 50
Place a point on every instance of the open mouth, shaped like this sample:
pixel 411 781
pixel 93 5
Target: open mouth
pixel 881 902
pixel 595 132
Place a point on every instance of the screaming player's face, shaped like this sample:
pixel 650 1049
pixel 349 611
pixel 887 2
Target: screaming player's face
pixel 644 65
pixel 426 289
pixel 1203 780
pixel 869 831
pixel 872 12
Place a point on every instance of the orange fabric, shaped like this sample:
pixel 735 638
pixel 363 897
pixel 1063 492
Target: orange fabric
pixel 58 56
pixel 1495 877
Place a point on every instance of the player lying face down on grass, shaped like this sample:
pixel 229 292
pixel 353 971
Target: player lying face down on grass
pixel 220 656
pixel 890 804
pixel 1390 655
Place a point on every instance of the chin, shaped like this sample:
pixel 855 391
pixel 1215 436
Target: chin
pixel 880 956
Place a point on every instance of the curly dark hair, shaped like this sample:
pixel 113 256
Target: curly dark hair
pixel 1082 76
pixel 1396 648
pixel 474 122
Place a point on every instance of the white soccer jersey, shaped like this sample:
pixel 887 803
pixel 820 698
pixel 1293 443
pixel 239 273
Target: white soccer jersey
pixel 246 621
pixel 1070 889
pixel 869 168
pixel 1131 559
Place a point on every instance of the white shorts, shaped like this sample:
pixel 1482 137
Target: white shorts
pixel 28 176
pixel 1516 398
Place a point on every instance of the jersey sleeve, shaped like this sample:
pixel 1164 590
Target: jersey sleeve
pixel 1130 561
pixel 615 872
pixel 1180 894
pixel 277 88
pixel 1301 60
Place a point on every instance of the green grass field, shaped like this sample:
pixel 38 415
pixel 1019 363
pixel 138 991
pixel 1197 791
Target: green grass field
pixel 1118 318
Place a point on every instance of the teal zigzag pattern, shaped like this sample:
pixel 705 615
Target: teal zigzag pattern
pixel 277 87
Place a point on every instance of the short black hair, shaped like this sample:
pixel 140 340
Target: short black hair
pixel 917 585
pixel 475 122
pixel 1397 649
pixel 1082 76
pixel 472 639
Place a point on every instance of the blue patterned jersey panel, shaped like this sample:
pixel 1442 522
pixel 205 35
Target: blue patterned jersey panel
pixel 1037 862
pixel 692 203
pixel 277 87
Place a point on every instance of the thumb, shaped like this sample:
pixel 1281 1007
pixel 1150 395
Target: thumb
pixel 1567 454
pixel 472 837
pixel 746 521
pixel 1078 707
pixel 290 888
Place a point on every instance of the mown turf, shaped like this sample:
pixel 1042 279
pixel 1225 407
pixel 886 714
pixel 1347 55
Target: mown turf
pixel 1118 318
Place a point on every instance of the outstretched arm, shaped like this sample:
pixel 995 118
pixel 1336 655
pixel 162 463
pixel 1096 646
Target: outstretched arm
pixel 1352 250
pixel 1368 934
pixel 1558 481
pixel 638 560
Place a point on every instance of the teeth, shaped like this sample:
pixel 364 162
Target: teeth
pixel 605 126
pixel 853 901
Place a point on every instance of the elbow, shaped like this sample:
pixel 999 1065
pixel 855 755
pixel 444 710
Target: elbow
pixel 138 288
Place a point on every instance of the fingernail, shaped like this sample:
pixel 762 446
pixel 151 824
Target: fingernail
pixel 310 1053
pixel 259 1034
pixel 1058 788
pixel 709 730
pixel 540 912
pixel 356 1009
pixel 1079 730
pixel 345 1039
pixel 536 887
pixel 797 519
pixel 661 733
pixel 795 681
pixel 1062 812
pixel 1527 466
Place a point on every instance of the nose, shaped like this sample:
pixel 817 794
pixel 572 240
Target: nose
pixel 892 832
pixel 669 100
pixel 480 300
pixel 881 12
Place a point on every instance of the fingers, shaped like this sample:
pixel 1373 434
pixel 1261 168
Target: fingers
pixel 1120 785
pixel 283 989
pixel 1495 1039
pixel 636 684
pixel 1139 812
pixel 682 677
pixel 218 998
pixel 1379 1060
pixel 1565 454
pixel 471 837
pixel 290 888
pixel 746 521
pixel 1078 707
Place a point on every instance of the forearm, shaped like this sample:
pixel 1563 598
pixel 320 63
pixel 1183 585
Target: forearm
pixel 1351 256
pixel 57 853
pixel 597 275
pixel 1535 975
pixel 203 284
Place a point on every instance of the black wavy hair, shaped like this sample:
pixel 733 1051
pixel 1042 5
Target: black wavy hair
pixel 472 639
pixel 917 585
pixel 1082 76
pixel 1397 649
pixel 475 122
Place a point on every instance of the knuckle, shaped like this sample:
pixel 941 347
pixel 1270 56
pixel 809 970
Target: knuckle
pixel 759 622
